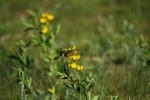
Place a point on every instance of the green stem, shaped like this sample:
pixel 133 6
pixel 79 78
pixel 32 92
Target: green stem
pixel 22 91
pixel 53 97
pixel 79 85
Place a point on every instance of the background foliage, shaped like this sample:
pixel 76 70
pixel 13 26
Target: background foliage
pixel 107 33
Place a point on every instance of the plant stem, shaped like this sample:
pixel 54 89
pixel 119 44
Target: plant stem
pixel 79 85
pixel 53 97
pixel 22 91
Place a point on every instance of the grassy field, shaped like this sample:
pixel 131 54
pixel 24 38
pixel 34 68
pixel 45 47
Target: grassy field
pixel 107 34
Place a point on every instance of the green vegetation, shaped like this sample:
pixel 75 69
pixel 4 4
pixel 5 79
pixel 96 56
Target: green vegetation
pixel 111 36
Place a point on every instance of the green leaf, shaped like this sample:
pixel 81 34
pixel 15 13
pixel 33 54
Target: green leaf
pixel 66 70
pixel 20 43
pixel 58 29
pixel 90 75
pixel 29 62
pixel 28 29
pixel 13 57
pixel 129 98
pixel 46 59
pixel 31 13
pixel 115 98
pixel 79 89
pixel 91 85
pixel 59 75
pixel 95 98
pixel 83 86
pixel 68 85
pixel 89 96
pixel 28 44
pixel 28 25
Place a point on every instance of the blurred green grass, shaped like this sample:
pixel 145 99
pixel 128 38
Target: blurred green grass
pixel 97 28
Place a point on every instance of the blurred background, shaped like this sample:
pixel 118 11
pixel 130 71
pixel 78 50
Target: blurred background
pixel 105 32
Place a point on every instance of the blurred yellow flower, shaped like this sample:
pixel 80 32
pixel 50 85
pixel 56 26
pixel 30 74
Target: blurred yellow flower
pixel 47 16
pixel 78 57
pixel 79 68
pixel 52 91
pixel 50 17
pixel 43 20
pixel 72 65
pixel 44 15
pixel 44 30
pixel 75 57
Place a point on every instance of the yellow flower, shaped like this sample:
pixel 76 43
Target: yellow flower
pixel 50 17
pixel 43 20
pixel 78 57
pixel 74 57
pixel 52 91
pixel 44 30
pixel 72 65
pixel 79 68
pixel 69 64
pixel 44 15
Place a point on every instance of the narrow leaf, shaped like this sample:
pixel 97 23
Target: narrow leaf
pixel 95 98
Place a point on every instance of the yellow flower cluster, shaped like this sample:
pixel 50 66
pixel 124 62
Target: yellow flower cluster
pixel 73 58
pixel 44 19
pixel 75 66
